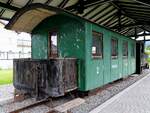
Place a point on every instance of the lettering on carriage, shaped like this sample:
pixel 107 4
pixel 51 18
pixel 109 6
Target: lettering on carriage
pixel 97 70
pixel 126 64
pixel 114 66
pixel 120 75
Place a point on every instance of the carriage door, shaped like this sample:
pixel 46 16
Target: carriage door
pixel 97 55
pixel 125 58
pixel 53 45
pixel 114 59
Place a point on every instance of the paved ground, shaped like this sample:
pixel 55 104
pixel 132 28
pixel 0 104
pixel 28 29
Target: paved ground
pixel 6 92
pixel 134 99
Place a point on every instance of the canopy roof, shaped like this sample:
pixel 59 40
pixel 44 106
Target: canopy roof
pixel 30 16
pixel 128 17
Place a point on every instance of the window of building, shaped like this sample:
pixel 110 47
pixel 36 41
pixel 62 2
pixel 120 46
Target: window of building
pixel 53 49
pixel 125 49
pixel 114 48
pixel 97 45
pixel 132 50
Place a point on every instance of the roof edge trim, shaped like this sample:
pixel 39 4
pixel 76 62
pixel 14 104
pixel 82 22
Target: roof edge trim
pixel 20 18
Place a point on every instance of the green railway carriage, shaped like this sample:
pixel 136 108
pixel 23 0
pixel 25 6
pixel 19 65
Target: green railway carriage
pixel 102 55
pixel 91 44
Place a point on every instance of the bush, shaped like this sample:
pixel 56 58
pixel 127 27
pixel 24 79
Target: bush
pixel 148 60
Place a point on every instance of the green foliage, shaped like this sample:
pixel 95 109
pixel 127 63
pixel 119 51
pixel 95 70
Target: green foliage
pixel 147 53
pixel 148 60
pixel 147 47
pixel 6 76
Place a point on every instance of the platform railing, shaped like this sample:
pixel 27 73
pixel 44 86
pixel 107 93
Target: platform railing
pixel 52 77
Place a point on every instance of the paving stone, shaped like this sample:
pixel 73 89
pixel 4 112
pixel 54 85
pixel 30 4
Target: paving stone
pixel 134 99
pixel 6 91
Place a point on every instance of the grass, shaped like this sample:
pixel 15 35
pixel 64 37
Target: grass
pixel 6 76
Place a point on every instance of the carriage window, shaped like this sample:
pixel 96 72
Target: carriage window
pixel 125 49
pixel 132 50
pixel 53 44
pixel 97 44
pixel 114 48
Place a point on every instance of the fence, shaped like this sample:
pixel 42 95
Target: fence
pixel 12 55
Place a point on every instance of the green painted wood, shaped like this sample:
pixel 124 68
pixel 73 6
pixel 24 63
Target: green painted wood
pixel 114 69
pixel 94 67
pixel 70 41
pixel 120 57
pixel 129 58
pixel 39 45
pixel 107 56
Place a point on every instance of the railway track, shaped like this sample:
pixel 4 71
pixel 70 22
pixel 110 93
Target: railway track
pixel 61 108
pixel 53 103
pixel 50 101
pixel 41 102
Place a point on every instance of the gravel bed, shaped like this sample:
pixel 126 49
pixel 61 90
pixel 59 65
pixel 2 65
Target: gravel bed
pixel 38 109
pixel 16 105
pixel 102 96
pixel 43 108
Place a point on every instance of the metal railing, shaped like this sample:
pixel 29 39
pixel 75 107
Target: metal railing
pixel 13 55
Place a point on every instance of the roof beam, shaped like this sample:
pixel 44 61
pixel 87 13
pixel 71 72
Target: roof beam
pixel 103 17
pixel 63 3
pixel 86 4
pixel 133 6
pixel 120 9
pixel 29 2
pixel 8 6
pixel 142 27
pixel 9 1
pixel 134 18
pixel 119 21
pixel 1 12
pixel 128 30
pixel 108 22
pixel 143 17
pixel 136 9
pixel 115 21
pixel 126 22
pixel 95 2
pixel 91 11
pixel 107 18
pixel 137 12
pixel 125 31
pixel 129 25
pixel 146 34
pixel 135 33
pixel 2 18
pixel 99 12
pixel 144 2
pixel 48 2
pixel 112 22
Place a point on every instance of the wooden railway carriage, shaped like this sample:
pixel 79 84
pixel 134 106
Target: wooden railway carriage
pixel 98 55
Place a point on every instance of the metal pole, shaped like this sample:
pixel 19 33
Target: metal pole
pixel 144 42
